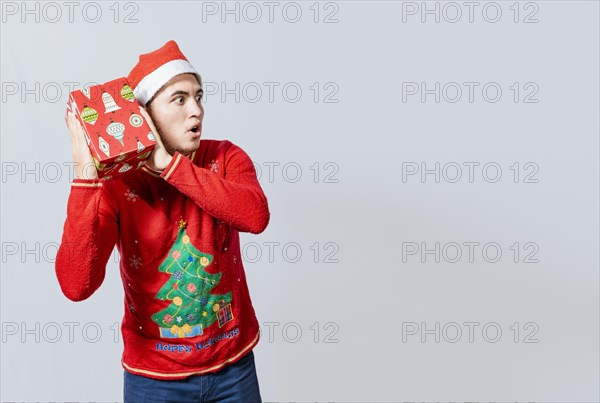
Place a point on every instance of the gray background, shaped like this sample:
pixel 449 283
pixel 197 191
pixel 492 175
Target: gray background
pixel 362 303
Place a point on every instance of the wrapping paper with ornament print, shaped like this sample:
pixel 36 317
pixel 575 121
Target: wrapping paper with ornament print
pixel 193 307
pixel 117 134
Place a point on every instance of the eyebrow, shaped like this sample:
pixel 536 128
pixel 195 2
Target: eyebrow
pixel 180 92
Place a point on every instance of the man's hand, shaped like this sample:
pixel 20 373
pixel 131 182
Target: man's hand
pixel 160 158
pixel 82 157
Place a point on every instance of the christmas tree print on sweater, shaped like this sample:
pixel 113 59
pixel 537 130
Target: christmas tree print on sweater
pixel 193 308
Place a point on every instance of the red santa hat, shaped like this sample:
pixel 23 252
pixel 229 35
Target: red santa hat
pixel 156 68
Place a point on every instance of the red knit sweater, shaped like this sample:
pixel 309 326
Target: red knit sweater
pixel 187 306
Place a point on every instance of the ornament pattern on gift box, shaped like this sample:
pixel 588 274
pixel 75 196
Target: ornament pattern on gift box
pixel 89 115
pixel 104 146
pixel 117 130
pixel 86 91
pixel 109 103
pixel 140 146
pixel 193 306
pixel 135 120
pixel 127 93
pixel 99 165
pixel 118 137
pixel 125 167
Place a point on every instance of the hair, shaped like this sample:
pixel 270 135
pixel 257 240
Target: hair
pixel 198 79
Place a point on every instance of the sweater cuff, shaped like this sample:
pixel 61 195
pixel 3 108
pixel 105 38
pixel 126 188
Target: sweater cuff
pixel 86 183
pixel 169 169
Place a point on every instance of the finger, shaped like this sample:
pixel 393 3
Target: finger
pixel 76 129
pixel 148 120
pixel 70 120
pixel 145 113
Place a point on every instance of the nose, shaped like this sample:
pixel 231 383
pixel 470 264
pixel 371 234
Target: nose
pixel 195 109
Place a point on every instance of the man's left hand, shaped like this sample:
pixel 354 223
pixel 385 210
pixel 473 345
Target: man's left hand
pixel 160 158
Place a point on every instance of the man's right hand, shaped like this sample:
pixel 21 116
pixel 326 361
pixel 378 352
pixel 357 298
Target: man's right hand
pixel 82 157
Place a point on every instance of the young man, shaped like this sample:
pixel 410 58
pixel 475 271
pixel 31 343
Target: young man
pixel 189 326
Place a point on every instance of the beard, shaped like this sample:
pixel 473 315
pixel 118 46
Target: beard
pixel 170 147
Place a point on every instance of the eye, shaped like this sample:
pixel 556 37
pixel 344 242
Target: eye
pixel 179 99
pixel 199 97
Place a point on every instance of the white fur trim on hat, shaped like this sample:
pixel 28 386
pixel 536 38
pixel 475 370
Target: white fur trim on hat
pixel 150 84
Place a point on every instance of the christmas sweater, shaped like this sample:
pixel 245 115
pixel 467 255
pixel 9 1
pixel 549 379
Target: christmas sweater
pixel 187 305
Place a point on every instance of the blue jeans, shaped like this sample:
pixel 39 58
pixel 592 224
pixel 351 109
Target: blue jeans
pixel 235 382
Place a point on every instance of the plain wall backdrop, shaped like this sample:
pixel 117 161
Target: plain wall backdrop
pixel 432 175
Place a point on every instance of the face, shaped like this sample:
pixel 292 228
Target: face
pixel 177 113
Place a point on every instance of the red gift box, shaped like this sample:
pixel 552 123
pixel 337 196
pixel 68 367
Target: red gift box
pixel 117 134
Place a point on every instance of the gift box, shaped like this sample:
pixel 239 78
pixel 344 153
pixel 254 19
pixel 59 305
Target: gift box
pixel 117 134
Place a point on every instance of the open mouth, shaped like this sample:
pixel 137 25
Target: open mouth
pixel 195 130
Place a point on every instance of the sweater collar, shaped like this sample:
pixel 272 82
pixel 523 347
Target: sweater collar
pixel 154 172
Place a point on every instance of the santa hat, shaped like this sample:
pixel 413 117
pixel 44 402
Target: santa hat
pixel 156 68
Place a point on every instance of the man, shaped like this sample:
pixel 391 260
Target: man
pixel 189 326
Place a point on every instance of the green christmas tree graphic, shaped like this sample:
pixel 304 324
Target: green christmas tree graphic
pixel 193 308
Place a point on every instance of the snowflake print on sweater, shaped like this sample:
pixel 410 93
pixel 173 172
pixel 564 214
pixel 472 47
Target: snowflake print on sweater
pixel 214 166
pixel 131 196
pixel 135 262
